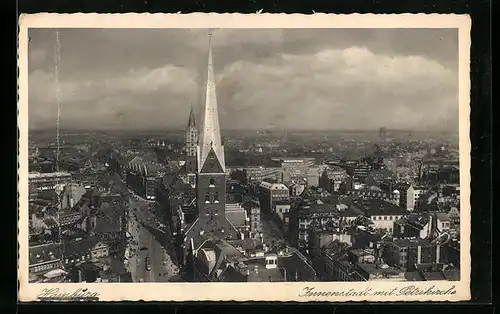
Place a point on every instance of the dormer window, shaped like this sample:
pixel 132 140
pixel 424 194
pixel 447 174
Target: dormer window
pixel 211 183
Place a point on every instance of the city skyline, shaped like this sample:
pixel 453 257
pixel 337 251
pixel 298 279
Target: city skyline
pixel 413 72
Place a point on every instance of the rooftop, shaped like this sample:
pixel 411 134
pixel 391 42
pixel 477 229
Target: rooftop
pixel 433 275
pixel 380 270
pixel 411 242
pixel 319 207
pixel 33 175
pixel 80 246
pixel 44 253
pixel 236 215
pixel 293 159
pixel 273 186
pixel 380 207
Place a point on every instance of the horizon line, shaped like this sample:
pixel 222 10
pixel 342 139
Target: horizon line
pixel 251 130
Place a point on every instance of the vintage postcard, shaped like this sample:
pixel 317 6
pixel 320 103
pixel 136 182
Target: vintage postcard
pixel 231 157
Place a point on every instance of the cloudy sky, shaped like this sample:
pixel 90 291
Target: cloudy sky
pixel 266 78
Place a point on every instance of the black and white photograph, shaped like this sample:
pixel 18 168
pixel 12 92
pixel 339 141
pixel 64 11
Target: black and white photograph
pixel 318 157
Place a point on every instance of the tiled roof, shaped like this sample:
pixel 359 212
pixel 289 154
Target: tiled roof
pixel 370 193
pixel 453 275
pixel 230 274
pixel 414 276
pixel 442 217
pixel 80 247
pixel 381 207
pixel 44 253
pixel 273 186
pixel 351 211
pixel 105 225
pixel 246 244
pixel 237 218
pixel 434 275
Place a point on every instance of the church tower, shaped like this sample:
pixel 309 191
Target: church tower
pixel 210 177
pixel 191 149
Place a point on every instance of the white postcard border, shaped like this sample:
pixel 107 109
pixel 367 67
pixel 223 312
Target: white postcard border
pixel 297 291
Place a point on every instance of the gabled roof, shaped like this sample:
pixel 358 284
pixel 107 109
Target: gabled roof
pixel 212 163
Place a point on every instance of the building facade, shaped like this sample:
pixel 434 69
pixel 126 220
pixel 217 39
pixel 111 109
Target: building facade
pixel 48 181
pixel 270 193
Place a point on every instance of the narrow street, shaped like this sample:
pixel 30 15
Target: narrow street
pixel 271 230
pixel 146 246
pixel 143 245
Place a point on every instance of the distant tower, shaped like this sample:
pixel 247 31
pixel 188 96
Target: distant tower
pixel 191 148
pixel 382 133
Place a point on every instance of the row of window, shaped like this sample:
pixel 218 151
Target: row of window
pixel 215 197
pixel 67 261
pixel 44 267
pixel 386 217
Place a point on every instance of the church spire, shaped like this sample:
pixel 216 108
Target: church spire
pixel 210 132
pixel 192 121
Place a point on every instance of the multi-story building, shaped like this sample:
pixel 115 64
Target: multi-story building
pixel 408 254
pixel 331 178
pixel 298 169
pixel 48 181
pixel 253 213
pixel 295 162
pixel 312 177
pixel 374 194
pixel 413 197
pixel 269 193
pixel 302 215
pixel 409 195
pixel 261 173
pixel 356 169
pixel 44 258
pixel 383 214
pixel 144 177
pixel 420 225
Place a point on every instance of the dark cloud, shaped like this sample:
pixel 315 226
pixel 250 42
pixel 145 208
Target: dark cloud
pixel 293 78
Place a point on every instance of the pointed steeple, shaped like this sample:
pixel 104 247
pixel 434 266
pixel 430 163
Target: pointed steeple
pixel 210 139
pixel 192 121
